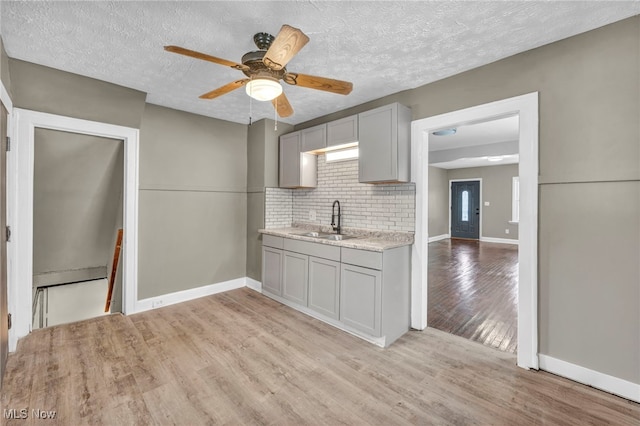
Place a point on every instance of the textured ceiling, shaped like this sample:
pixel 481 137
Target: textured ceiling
pixel 382 47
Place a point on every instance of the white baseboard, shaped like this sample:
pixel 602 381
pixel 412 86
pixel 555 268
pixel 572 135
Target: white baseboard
pixel 498 240
pixel 254 285
pixel 592 378
pixel 185 295
pixel 439 238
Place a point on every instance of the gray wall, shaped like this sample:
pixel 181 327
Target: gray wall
pixel 4 69
pixel 193 201
pixel 49 90
pixel 262 172
pixel 438 202
pixel 78 181
pixel 496 189
pixel 193 174
pixel 589 88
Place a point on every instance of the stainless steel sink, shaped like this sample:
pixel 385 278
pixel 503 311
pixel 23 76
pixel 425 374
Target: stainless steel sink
pixel 332 237
pixel 312 234
pixel 336 237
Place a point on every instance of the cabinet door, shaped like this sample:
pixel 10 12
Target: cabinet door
pixel 272 270
pixel 340 132
pixel 378 147
pixel 295 277
pixel 324 286
pixel 313 138
pixel 361 299
pixel 290 160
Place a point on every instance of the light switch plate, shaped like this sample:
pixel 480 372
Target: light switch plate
pixel 487 203
pixel 312 215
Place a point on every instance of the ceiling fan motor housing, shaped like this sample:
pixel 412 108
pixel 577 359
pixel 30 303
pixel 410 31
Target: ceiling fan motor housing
pixel 257 68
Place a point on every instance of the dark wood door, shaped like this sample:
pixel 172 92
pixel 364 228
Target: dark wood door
pixel 465 209
pixel 4 314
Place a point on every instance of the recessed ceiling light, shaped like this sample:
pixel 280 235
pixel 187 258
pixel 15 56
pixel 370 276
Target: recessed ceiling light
pixel 445 132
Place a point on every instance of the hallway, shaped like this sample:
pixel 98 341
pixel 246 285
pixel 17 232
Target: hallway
pixel 473 291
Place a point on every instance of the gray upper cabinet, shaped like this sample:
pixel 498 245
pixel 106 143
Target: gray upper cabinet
pixel 385 139
pixel 343 131
pixel 297 169
pixel 313 138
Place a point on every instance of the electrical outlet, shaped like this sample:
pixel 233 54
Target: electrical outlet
pixel 506 231
pixel 312 215
pixel 157 303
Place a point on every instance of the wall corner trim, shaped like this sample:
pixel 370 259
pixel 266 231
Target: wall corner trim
pixel 254 285
pixel 602 381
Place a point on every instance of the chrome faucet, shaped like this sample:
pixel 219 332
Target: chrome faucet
pixel 333 216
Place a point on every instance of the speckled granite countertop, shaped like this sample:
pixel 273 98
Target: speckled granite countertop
pixel 365 239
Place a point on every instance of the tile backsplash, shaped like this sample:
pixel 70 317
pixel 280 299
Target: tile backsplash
pixel 384 207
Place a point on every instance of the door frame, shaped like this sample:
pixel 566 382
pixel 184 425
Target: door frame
pixel 526 106
pixel 20 191
pixel 479 203
pixel 5 100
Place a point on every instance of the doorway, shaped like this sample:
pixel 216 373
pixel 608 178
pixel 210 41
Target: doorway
pixel 77 211
pixel 526 107
pixel 465 209
pixel 21 202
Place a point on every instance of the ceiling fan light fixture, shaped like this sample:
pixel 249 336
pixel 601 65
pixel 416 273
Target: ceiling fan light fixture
pixel 264 88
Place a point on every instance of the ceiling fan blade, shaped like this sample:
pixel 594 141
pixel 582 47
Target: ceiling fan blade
pixel 287 43
pixel 205 57
pixel 319 83
pixel 224 89
pixel 282 106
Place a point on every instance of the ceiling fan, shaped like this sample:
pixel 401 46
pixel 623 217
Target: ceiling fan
pixel 265 68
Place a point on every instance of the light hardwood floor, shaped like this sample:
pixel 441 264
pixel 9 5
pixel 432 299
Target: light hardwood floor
pixel 473 291
pixel 241 358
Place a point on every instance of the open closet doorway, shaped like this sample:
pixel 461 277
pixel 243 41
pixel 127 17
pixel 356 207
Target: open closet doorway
pixel 21 197
pixel 473 248
pixel 77 212
pixel 525 107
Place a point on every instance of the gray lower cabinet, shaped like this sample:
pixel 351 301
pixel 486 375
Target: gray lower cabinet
pixel 324 286
pixel 295 276
pixel 272 270
pixel 365 292
pixel 360 299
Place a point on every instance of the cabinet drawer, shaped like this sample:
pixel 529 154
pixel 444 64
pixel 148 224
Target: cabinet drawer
pixel 272 241
pixel 324 251
pixel 367 259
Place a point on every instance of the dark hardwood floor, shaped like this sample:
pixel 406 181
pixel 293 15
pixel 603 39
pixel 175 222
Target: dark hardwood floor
pixel 473 291
pixel 241 358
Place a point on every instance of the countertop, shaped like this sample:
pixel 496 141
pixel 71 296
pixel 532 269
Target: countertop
pixel 365 239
